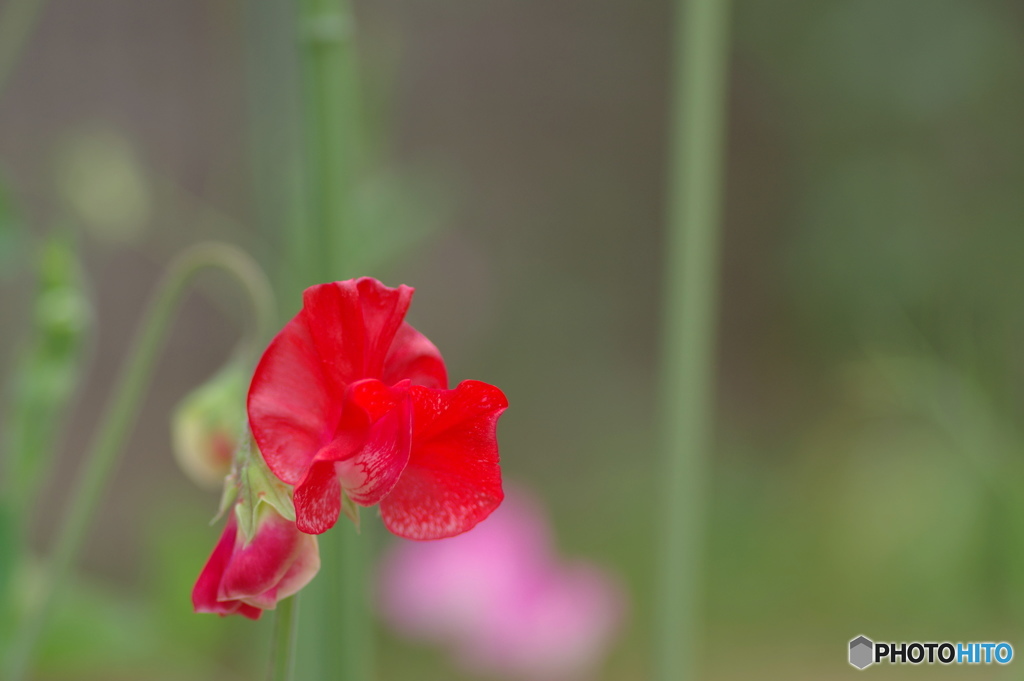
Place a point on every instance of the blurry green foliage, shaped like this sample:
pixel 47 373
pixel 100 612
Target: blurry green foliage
pixel 42 380
pixel 912 59
pixel 49 365
pixel 874 237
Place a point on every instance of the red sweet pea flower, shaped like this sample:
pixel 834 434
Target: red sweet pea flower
pixel 349 399
pixel 249 577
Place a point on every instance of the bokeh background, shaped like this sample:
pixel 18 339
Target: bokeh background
pixel 868 461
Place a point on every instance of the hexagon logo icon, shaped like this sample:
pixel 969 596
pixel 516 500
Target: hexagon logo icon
pixel 862 652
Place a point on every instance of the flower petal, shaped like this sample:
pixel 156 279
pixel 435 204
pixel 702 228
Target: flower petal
pixel 414 357
pixel 375 470
pixel 249 611
pixel 204 594
pixel 256 568
pixel 318 499
pixel 353 324
pixel 293 405
pixel 366 458
pixel 303 569
pixel 453 480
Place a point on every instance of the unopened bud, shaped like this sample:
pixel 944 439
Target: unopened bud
pixel 207 426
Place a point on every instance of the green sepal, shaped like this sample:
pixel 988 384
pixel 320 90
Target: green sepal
pixel 227 496
pixel 257 485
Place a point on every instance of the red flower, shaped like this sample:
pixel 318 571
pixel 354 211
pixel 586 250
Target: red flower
pixel 249 577
pixel 349 398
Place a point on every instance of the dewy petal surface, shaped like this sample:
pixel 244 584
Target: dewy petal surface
pixel 453 480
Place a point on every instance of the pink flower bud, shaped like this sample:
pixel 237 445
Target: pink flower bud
pixel 248 577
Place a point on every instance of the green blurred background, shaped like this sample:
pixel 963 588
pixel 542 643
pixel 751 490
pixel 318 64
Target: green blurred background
pixel 868 463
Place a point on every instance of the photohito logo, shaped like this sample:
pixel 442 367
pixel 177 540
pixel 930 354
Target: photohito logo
pixel 864 652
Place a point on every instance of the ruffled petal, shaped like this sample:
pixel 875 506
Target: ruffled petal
pixel 376 467
pixel 453 480
pixel 415 358
pixel 353 324
pixel 293 404
pixel 365 459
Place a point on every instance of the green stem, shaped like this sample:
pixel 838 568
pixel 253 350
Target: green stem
pixel 118 418
pixel 338 623
pixel 700 61
pixel 353 614
pixel 331 132
pixel 286 629
pixel 18 19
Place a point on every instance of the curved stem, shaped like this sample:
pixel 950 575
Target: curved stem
pixel 286 629
pixel 119 416
pixel 700 61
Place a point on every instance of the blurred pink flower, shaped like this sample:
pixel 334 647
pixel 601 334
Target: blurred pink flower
pixel 501 598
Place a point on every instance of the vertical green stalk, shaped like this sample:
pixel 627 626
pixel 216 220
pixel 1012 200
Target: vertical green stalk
pixel 691 279
pixel 118 418
pixel 274 150
pixel 330 121
pixel 286 631
pixel 338 623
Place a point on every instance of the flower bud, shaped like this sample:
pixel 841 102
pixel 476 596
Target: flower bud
pixel 207 424
pixel 262 556
pixel 246 577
